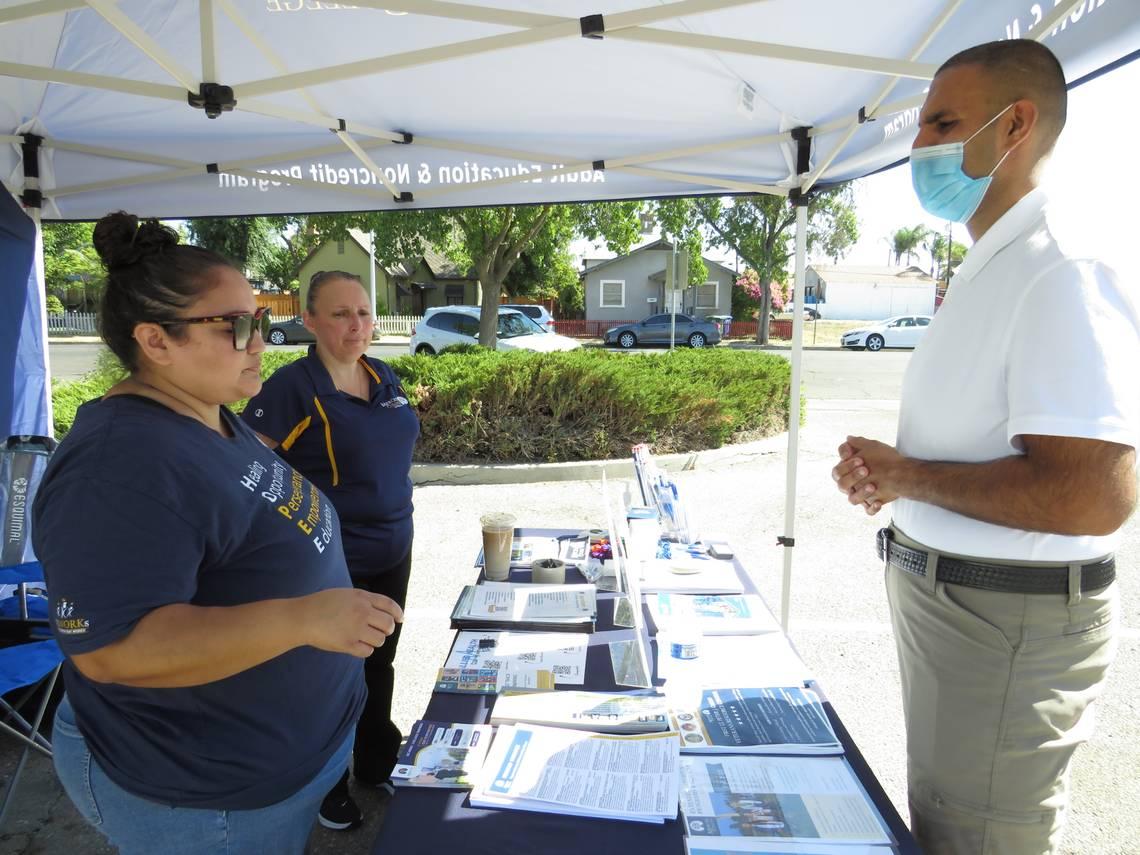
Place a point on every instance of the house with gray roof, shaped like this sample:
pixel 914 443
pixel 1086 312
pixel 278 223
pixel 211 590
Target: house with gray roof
pixel 632 286
pixel 408 287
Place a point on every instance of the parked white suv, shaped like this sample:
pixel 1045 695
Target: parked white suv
pixel 443 326
pixel 535 312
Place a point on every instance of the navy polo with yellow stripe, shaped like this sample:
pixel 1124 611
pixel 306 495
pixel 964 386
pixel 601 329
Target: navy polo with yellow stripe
pixel 359 453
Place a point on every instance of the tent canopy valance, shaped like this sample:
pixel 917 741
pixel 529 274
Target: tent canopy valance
pixel 330 107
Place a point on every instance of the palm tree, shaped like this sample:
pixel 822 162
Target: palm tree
pixel 905 241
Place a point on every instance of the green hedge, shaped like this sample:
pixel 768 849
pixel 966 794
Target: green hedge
pixel 488 406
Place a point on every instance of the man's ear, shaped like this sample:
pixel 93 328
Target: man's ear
pixel 154 343
pixel 1021 121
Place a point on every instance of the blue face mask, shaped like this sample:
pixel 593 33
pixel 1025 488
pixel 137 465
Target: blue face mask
pixel 941 185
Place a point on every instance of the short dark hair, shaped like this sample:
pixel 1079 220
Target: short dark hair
pixel 1022 68
pixel 151 277
pixel 318 279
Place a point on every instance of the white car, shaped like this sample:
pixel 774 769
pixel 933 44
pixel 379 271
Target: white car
pixel 900 331
pixel 444 326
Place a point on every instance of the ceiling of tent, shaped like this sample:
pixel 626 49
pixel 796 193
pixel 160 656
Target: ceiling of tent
pixel 455 104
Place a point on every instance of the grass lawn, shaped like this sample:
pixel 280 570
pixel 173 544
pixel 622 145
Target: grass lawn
pixel 824 333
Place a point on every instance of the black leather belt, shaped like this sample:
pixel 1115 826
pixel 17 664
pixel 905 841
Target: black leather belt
pixel 995 577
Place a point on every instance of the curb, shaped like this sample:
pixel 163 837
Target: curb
pixel 441 474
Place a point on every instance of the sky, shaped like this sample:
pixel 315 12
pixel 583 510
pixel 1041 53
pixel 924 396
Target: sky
pixel 1092 179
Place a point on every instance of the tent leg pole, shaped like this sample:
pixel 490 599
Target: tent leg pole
pixel 34 213
pixel 788 540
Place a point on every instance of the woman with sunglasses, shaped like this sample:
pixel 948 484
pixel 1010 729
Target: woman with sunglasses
pixel 342 419
pixel 198 583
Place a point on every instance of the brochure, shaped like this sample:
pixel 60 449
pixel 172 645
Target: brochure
pixel 713 614
pixel 601 712
pixel 733 845
pixel 757 721
pixel 554 770
pixel 792 798
pixel 508 605
pixel 488 662
pixel 442 755
pixel 755 660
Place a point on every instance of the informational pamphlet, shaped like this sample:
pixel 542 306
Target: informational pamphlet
pixel 554 770
pixel 757 721
pixel 754 660
pixel 508 605
pixel 601 712
pixel 441 755
pixel 733 845
pixel 488 662
pixel 713 614
pixel 804 799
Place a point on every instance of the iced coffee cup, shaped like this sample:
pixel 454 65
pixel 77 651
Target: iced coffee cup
pixel 498 535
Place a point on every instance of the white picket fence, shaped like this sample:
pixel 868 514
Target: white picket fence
pixel 72 323
pixel 397 324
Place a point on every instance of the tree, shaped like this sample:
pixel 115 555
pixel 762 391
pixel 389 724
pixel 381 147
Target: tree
pixel 760 229
pixel 906 241
pixel 246 241
pixel 938 256
pixel 492 240
pixel 72 270
pixel 295 237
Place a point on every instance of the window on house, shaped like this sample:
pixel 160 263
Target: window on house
pixel 454 295
pixel 706 296
pixel 612 293
pixel 340 247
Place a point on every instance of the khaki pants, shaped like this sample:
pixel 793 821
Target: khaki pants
pixel 996 694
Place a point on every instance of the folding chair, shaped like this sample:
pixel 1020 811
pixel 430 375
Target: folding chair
pixel 32 666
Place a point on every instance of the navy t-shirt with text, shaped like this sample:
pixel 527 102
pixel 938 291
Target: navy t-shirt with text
pixel 141 508
pixel 358 452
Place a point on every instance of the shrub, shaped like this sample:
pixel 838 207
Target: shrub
pixel 488 406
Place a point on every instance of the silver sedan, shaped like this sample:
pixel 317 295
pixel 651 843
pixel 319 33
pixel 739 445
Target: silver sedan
pixel 656 329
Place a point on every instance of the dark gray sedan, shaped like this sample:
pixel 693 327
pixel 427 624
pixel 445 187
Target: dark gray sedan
pixel 656 330
pixel 290 331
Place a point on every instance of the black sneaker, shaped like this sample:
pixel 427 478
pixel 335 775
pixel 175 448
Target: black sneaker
pixel 384 785
pixel 339 812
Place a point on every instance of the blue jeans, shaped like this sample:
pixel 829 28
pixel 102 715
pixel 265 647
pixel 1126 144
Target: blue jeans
pixel 142 827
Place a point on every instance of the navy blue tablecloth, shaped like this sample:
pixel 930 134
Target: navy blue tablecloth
pixel 435 822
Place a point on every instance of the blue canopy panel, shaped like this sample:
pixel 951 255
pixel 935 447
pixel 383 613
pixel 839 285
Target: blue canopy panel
pixel 24 385
pixel 454 111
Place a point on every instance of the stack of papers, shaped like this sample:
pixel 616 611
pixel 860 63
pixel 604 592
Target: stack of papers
pixel 571 548
pixel 552 770
pixel 757 721
pixel 798 799
pixel 442 755
pixel 487 662
pixel 509 605
pixel 601 712
pixel 766 659
pixel 712 614
pixel 690 573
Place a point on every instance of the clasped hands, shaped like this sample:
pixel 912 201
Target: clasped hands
pixel 868 473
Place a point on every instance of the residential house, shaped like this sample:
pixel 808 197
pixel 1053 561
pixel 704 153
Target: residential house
pixel 868 293
pixel 631 287
pixel 407 288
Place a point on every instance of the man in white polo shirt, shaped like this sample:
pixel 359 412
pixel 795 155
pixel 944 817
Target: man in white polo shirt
pixel 1015 466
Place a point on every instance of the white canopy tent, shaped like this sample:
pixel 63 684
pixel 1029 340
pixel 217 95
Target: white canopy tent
pixel 231 107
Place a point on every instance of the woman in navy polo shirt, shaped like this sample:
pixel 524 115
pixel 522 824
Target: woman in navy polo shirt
pixel 198 585
pixel 342 419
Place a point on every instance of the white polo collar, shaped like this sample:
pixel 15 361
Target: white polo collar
pixel 1009 226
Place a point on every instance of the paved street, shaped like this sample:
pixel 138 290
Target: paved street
pixel 838 608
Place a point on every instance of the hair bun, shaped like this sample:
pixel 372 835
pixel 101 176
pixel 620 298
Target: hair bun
pixel 121 241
